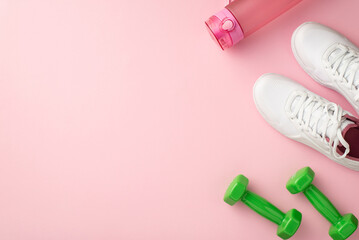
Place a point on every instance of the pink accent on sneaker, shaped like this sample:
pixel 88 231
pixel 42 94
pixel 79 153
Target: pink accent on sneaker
pixel 345 130
pixel 351 138
pixel 352 118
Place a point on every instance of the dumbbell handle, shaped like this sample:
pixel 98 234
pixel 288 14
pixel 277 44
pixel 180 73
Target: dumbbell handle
pixel 322 204
pixel 263 207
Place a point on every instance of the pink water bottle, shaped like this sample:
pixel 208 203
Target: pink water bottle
pixel 240 18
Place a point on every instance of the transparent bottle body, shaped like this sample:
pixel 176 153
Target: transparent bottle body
pixel 254 14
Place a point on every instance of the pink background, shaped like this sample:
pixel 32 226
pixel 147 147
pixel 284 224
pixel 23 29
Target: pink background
pixel 123 120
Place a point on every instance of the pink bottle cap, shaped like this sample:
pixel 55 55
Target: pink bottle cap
pixel 225 29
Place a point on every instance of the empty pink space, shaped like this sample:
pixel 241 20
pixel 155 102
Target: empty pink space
pixel 123 120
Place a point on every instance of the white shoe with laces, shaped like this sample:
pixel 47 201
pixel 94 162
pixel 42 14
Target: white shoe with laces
pixel 308 118
pixel 329 58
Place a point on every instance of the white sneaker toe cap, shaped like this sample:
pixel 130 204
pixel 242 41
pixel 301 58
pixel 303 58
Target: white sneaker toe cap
pixel 270 93
pixel 310 41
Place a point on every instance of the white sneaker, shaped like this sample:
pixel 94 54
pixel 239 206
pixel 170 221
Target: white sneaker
pixel 329 58
pixel 308 118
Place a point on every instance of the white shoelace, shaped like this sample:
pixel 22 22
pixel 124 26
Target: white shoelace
pixel 321 119
pixel 343 63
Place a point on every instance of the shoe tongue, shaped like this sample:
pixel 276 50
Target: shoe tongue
pixel 351 68
pixel 323 118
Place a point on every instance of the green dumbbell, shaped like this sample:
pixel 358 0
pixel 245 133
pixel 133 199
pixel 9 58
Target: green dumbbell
pixel 342 226
pixel 288 223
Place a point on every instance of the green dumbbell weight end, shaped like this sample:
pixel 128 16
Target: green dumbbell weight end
pixel 288 223
pixel 342 226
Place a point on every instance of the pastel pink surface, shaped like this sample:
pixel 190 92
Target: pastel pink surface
pixel 123 120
